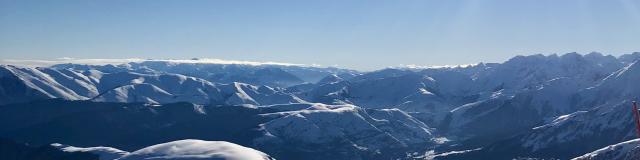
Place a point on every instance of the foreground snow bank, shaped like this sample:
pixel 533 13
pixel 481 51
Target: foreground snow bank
pixel 189 149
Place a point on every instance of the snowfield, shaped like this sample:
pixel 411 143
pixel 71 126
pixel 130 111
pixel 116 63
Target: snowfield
pixel 188 149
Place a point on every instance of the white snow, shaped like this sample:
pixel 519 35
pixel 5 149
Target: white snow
pixel 431 154
pixel 105 153
pixel 190 149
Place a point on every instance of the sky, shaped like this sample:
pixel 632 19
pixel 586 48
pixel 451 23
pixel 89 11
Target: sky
pixel 363 35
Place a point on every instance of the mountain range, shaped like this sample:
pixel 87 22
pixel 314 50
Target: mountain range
pixel 537 106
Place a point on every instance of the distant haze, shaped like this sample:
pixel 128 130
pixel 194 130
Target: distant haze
pixel 363 35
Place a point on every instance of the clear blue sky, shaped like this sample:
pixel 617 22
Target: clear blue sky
pixel 356 34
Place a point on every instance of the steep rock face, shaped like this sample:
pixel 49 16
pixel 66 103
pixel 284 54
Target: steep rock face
pixel 629 150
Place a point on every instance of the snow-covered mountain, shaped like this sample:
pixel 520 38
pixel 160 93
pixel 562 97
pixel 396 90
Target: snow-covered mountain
pixel 272 75
pixel 528 91
pixel 629 58
pixel 601 116
pixel 505 113
pixel 531 88
pixel 527 71
pixel 553 106
pixel 605 119
pixel 25 84
pixel 431 95
pixel 629 150
pixel 352 131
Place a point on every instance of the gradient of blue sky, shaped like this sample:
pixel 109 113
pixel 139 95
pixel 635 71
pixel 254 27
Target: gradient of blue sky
pixel 356 34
